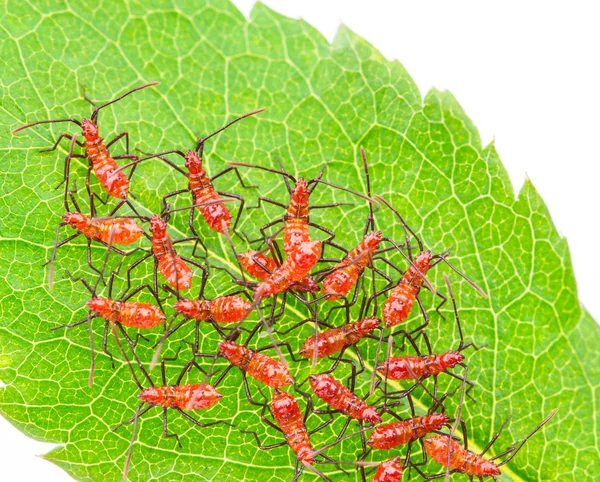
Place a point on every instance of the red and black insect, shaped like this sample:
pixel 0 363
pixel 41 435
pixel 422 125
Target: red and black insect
pixel 173 266
pixel 112 179
pixel 178 397
pixel 117 313
pixel 403 294
pixel 296 222
pixel 170 264
pixel 401 299
pixel 294 268
pixel 393 434
pixel 421 366
pixel 295 230
pixel 336 395
pixel 333 340
pixel 289 418
pixel 261 266
pixel 206 198
pixel 457 458
pixel 261 367
pixel 416 367
pixel 344 275
pixel 292 423
pixel 122 230
pixel 224 309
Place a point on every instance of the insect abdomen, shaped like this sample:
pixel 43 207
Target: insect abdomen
pixel 339 397
pixel 289 418
pixel 391 435
pixel 401 300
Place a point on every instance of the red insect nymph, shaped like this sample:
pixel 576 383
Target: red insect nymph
pixel 261 266
pixel 391 435
pixel 336 395
pixel 415 367
pixel 339 282
pixel 217 216
pixel 225 309
pixel 289 418
pixel 262 367
pixel 295 267
pixel 129 313
pixel 113 181
pixel 460 458
pixel 192 396
pixel 333 340
pixel 124 230
pixel 398 305
pixel 296 229
pixel 172 267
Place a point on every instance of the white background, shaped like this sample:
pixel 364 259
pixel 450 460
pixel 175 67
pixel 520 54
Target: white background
pixel 528 75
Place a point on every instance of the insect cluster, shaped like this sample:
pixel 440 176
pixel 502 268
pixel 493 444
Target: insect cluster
pixel 363 366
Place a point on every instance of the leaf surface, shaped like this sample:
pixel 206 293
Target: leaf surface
pixel 324 102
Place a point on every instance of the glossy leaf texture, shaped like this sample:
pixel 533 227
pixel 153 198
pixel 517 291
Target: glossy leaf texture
pixel 323 102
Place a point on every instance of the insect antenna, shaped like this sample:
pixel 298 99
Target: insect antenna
pixel 371 218
pixel 443 257
pixel 514 450
pixel 53 255
pixel 94 117
pixel 262 168
pixel 201 142
pixel 408 258
pixel 160 156
pixel 50 121
pixel 462 344
pixel 407 229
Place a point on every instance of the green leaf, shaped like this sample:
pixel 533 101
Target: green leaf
pixel 324 102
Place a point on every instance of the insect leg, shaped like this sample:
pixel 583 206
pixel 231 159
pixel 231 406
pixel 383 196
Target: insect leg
pixel 133 419
pixel 239 213
pixel 198 239
pixel 166 433
pixel 251 399
pixel 237 173
pixel 260 445
pixel 105 343
pixel 134 265
pixel 204 270
pixel 64 135
pixel 71 325
pixel 284 344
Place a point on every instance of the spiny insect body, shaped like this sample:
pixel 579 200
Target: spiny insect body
pixel 262 367
pixel 295 231
pixel 333 340
pixel 172 267
pixel 450 453
pixel 215 213
pixel 289 418
pixel 345 274
pixel 130 313
pixel 224 309
pixel 261 266
pixel 391 435
pixel 415 367
pixel 401 299
pixel 339 397
pixel 295 267
pixel 192 396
